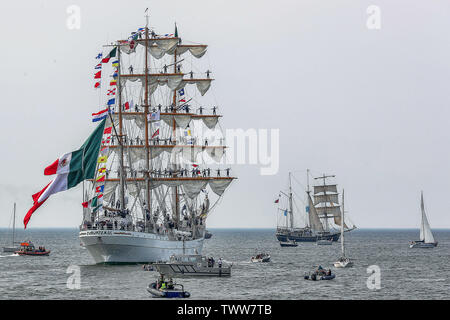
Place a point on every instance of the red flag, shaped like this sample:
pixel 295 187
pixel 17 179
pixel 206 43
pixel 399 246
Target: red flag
pixel 155 134
pixel 98 75
pixel 97 85
pixel 85 204
pixel 195 165
pixel 107 130
pixel 105 60
pixel 278 200
pixel 127 106
pixel 36 205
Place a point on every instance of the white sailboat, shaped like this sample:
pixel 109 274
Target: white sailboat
pixel 13 247
pixel 426 237
pixel 343 261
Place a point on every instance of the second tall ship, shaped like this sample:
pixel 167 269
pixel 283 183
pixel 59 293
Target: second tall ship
pixel 322 213
pixel 163 177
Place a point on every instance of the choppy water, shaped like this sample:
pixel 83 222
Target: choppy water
pixel 405 273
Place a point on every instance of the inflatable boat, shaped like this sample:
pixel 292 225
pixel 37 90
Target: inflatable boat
pixel 172 291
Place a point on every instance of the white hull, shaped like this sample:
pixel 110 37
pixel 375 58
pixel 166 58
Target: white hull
pixel 115 246
pixel 343 264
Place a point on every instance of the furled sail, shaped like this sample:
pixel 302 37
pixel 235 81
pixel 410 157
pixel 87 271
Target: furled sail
pixel 330 211
pixel 324 198
pixel 327 188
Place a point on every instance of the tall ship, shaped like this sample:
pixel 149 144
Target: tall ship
pixel 321 218
pixel 161 171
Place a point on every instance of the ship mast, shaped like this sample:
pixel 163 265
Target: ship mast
pixel 174 135
pixel 120 139
pixel 342 225
pixel 146 112
pixel 291 213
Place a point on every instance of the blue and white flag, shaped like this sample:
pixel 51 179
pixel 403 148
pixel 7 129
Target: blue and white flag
pixel 154 116
pixel 111 101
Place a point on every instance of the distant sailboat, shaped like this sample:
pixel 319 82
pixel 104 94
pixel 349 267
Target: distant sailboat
pixel 12 248
pixel 343 261
pixel 426 237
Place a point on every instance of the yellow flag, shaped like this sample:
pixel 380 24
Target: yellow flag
pixel 102 159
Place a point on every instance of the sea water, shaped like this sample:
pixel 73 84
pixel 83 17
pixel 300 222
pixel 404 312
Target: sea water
pixel 69 272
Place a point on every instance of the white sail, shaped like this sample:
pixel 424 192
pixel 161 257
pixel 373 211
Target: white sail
pixel 314 220
pixel 425 230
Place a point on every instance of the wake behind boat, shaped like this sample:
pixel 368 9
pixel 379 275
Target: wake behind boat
pixel 426 236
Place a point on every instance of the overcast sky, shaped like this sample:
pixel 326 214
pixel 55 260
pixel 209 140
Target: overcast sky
pixel 370 106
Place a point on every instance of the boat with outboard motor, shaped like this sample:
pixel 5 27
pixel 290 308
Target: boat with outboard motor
pixel 319 274
pixel 193 265
pixel 167 289
pixel 289 243
pixel 261 257
pixel 27 249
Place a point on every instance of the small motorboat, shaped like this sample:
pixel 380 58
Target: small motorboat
pixel 320 274
pixel 27 249
pixel 194 265
pixel 261 257
pixel 343 262
pixel 291 243
pixel 167 289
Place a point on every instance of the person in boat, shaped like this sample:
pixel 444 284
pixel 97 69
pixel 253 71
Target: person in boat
pixel 160 281
pixel 329 272
pixel 219 263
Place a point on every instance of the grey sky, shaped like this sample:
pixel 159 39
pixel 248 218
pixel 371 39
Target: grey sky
pixel 371 106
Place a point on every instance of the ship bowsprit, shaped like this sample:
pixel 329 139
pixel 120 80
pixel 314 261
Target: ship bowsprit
pixel 115 247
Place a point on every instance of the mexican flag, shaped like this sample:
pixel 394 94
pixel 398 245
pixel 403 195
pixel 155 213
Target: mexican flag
pixel 70 169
